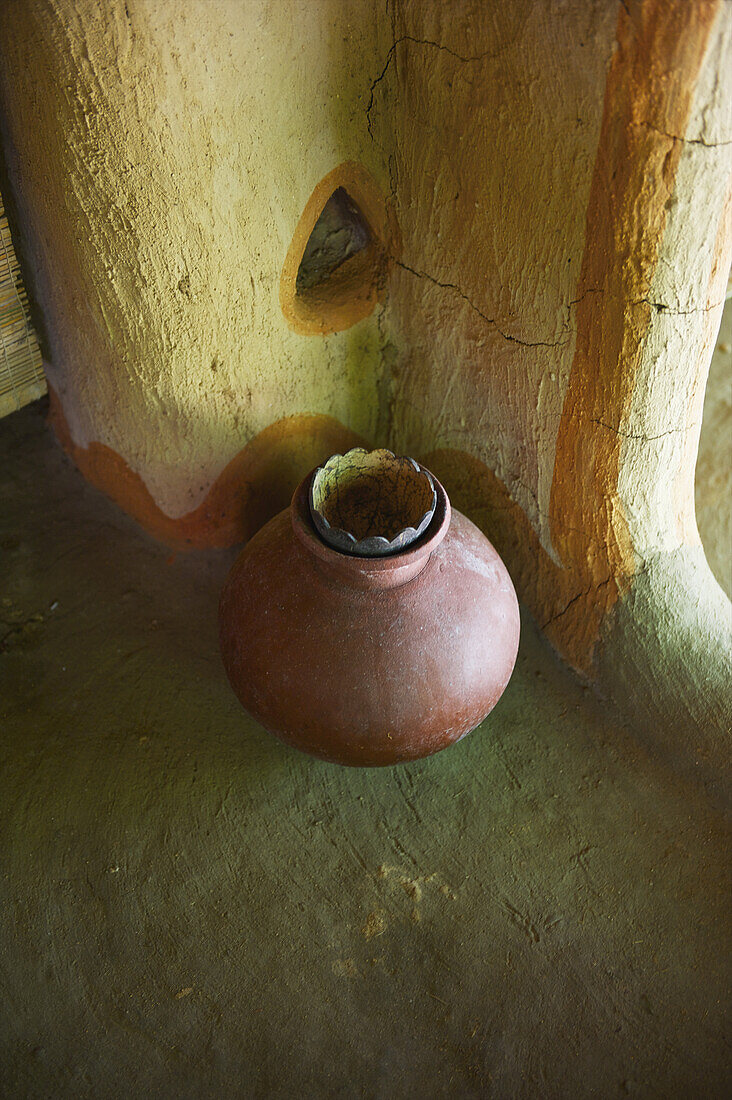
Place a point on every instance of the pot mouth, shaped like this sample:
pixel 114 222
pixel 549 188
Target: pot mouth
pixel 371 503
pixel 382 571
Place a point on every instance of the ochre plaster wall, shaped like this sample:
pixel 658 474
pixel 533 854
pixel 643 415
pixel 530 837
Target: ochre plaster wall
pixel 162 155
pixel 548 188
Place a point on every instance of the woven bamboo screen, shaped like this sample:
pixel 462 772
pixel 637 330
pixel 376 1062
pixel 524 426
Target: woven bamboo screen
pixel 21 373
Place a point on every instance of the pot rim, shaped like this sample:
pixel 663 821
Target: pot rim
pixel 371 546
pixel 377 572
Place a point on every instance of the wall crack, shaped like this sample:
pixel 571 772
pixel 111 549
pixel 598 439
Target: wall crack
pixel 645 438
pixel 662 307
pixel 580 595
pixel 464 58
pixel 684 140
pixel 488 320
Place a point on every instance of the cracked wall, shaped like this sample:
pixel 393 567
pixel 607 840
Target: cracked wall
pixel 541 316
pixel 182 160
pixel 182 172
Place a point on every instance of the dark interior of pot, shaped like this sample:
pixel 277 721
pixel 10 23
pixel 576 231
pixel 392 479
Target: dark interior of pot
pixel 372 494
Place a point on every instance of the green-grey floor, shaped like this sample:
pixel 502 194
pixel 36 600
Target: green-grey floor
pixel 189 909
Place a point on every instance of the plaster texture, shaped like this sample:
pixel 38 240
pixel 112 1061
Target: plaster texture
pixel 155 247
pixel 693 639
pixel 533 315
pixel 714 463
pixel 188 908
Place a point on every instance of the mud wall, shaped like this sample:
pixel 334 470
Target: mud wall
pixel 531 308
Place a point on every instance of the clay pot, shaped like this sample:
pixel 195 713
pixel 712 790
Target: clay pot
pixel 369 660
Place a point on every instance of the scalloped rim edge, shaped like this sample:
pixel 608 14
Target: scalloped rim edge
pixel 386 546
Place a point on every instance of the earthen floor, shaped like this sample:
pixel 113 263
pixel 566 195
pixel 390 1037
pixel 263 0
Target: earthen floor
pixel 190 909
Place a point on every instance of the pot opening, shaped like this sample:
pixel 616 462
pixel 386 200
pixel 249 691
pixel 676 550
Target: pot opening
pixel 371 503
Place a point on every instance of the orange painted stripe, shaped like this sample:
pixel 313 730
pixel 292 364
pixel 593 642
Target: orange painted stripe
pixel 652 75
pixel 256 485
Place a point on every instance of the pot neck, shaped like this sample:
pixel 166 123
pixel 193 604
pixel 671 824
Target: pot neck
pixel 389 571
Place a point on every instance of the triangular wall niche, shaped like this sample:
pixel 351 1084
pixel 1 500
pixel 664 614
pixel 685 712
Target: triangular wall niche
pixel 334 272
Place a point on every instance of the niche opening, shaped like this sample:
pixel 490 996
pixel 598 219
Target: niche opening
pixel 335 268
pixel 339 233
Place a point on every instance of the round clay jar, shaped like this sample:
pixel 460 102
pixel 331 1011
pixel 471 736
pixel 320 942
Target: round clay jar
pixel 369 660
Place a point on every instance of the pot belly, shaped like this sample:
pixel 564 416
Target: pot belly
pixel 368 677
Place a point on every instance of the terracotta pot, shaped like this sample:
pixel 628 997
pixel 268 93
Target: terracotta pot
pixel 363 660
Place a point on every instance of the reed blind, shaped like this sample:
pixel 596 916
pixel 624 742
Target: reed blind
pixel 21 373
